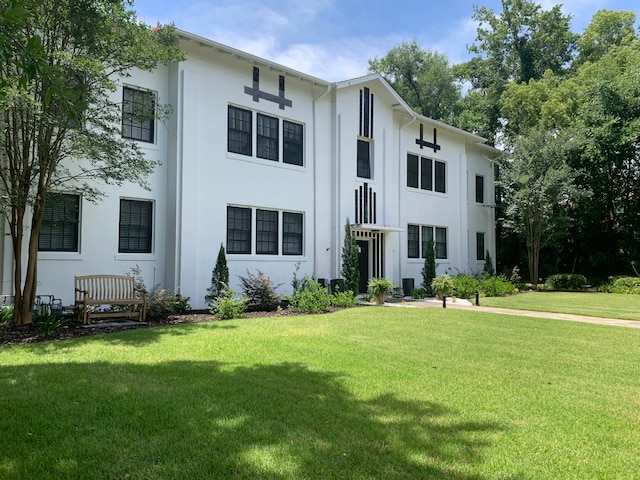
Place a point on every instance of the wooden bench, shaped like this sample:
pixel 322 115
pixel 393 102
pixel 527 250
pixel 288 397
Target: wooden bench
pixel 92 292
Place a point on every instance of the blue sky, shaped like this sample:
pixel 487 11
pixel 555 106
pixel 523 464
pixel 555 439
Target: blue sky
pixel 334 39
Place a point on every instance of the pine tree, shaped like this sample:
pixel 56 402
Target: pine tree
pixel 488 270
pixel 219 276
pixel 350 264
pixel 429 268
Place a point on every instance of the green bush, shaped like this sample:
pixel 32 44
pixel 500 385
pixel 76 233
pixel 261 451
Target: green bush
pixel 418 293
pixel 380 288
pixel 464 285
pixel 6 313
pixel 496 286
pixel 228 304
pixel 442 285
pixel 261 292
pixel 567 281
pixel 310 298
pixel 343 299
pixel 627 285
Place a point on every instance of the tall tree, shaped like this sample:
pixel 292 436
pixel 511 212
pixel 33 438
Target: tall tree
pixel 607 29
pixel 423 78
pixel 59 127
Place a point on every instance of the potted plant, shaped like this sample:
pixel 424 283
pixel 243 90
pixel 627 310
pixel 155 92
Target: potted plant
pixel 380 288
pixel 442 285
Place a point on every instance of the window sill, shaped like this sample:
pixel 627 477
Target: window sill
pixel 265 162
pixel 138 257
pixel 65 256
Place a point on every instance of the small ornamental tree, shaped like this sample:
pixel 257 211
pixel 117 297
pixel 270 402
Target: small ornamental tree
pixel 350 268
pixel 219 276
pixel 488 270
pixel 429 268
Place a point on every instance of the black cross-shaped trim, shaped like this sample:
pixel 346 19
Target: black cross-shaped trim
pixel 423 143
pixel 257 94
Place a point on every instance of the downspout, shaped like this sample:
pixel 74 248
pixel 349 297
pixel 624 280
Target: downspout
pixel 414 117
pixel 315 178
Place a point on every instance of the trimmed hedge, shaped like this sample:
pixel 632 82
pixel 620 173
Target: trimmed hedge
pixel 567 281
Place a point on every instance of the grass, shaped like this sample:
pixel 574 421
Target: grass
pixel 374 392
pixel 606 305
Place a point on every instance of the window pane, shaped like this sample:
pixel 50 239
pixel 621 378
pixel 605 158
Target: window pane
pixel 291 233
pixel 479 189
pixel 412 171
pixel 239 131
pixel 440 177
pixel 59 231
pixel 441 242
pixel 364 159
pixel 267 141
pixel 135 231
pixel 238 230
pixel 293 143
pixel 413 241
pixel 266 232
pixel 479 246
pixel 427 235
pixel 426 182
pixel 138 114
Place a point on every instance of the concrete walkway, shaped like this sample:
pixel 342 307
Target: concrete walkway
pixel 466 305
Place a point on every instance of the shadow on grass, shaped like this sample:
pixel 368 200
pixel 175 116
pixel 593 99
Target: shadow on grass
pixel 208 420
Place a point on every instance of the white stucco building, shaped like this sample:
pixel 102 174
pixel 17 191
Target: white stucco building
pixel 271 162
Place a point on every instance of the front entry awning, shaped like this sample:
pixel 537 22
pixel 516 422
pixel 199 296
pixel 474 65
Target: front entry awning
pixel 375 228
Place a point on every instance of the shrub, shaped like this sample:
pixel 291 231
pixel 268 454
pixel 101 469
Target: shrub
pixel 310 298
pixel 180 304
pixel 6 313
pixel 219 276
pixel 567 281
pixel 343 299
pixel 228 304
pixel 419 293
pixel 442 285
pixel 350 260
pixel 380 288
pixel 628 285
pixel 464 285
pixel 496 286
pixel 260 292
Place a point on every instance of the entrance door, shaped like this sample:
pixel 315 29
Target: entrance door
pixel 363 264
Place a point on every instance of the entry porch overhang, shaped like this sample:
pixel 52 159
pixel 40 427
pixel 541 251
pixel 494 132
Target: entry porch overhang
pixel 375 228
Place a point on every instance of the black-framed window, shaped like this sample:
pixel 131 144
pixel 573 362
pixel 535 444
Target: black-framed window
pixel 267 137
pixel 413 241
pixel 60 222
pixel 239 131
pixel 426 237
pixel 479 189
pixel 238 230
pixel 412 170
pixel 138 114
pixel 480 246
pixel 426 174
pixel 136 226
pixel 293 143
pixel 440 176
pixel 441 242
pixel 364 159
pixel 292 233
pixel 266 232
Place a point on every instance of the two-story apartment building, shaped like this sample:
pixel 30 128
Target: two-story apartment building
pixel 271 163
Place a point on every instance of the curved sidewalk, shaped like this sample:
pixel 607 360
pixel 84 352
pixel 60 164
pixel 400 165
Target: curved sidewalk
pixel 465 305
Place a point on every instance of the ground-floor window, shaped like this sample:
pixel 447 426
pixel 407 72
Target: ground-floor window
pixel 136 226
pixel 60 223
pixel 419 236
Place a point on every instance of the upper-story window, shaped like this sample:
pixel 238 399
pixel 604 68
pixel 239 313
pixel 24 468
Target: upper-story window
pixel 426 174
pixel 60 222
pixel 138 114
pixel 479 189
pixel 273 135
pixel 364 159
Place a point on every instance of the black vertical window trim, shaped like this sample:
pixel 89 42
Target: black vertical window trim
pixel 480 246
pixel 60 224
pixel 426 177
pixel 479 189
pixel 266 232
pixel 239 131
pixel 440 174
pixel 413 241
pixel 267 137
pixel 293 143
pixel 238 230
pixel 366 112
pixel 371 115
pixel 441 242
pixel 364 159
pixel 412 170
pixel 361 113
pixel 135 226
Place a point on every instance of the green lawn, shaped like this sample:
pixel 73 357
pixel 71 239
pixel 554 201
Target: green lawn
pixel 607 305
pixel 366 393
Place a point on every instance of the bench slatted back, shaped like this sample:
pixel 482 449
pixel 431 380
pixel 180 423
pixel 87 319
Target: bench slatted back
pixel 106 287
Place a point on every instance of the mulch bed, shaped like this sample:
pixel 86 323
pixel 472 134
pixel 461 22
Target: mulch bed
pixel 26 334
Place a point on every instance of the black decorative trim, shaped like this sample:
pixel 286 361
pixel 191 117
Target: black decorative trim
pixel 423 143
pixel 257 94
pixel 366 113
